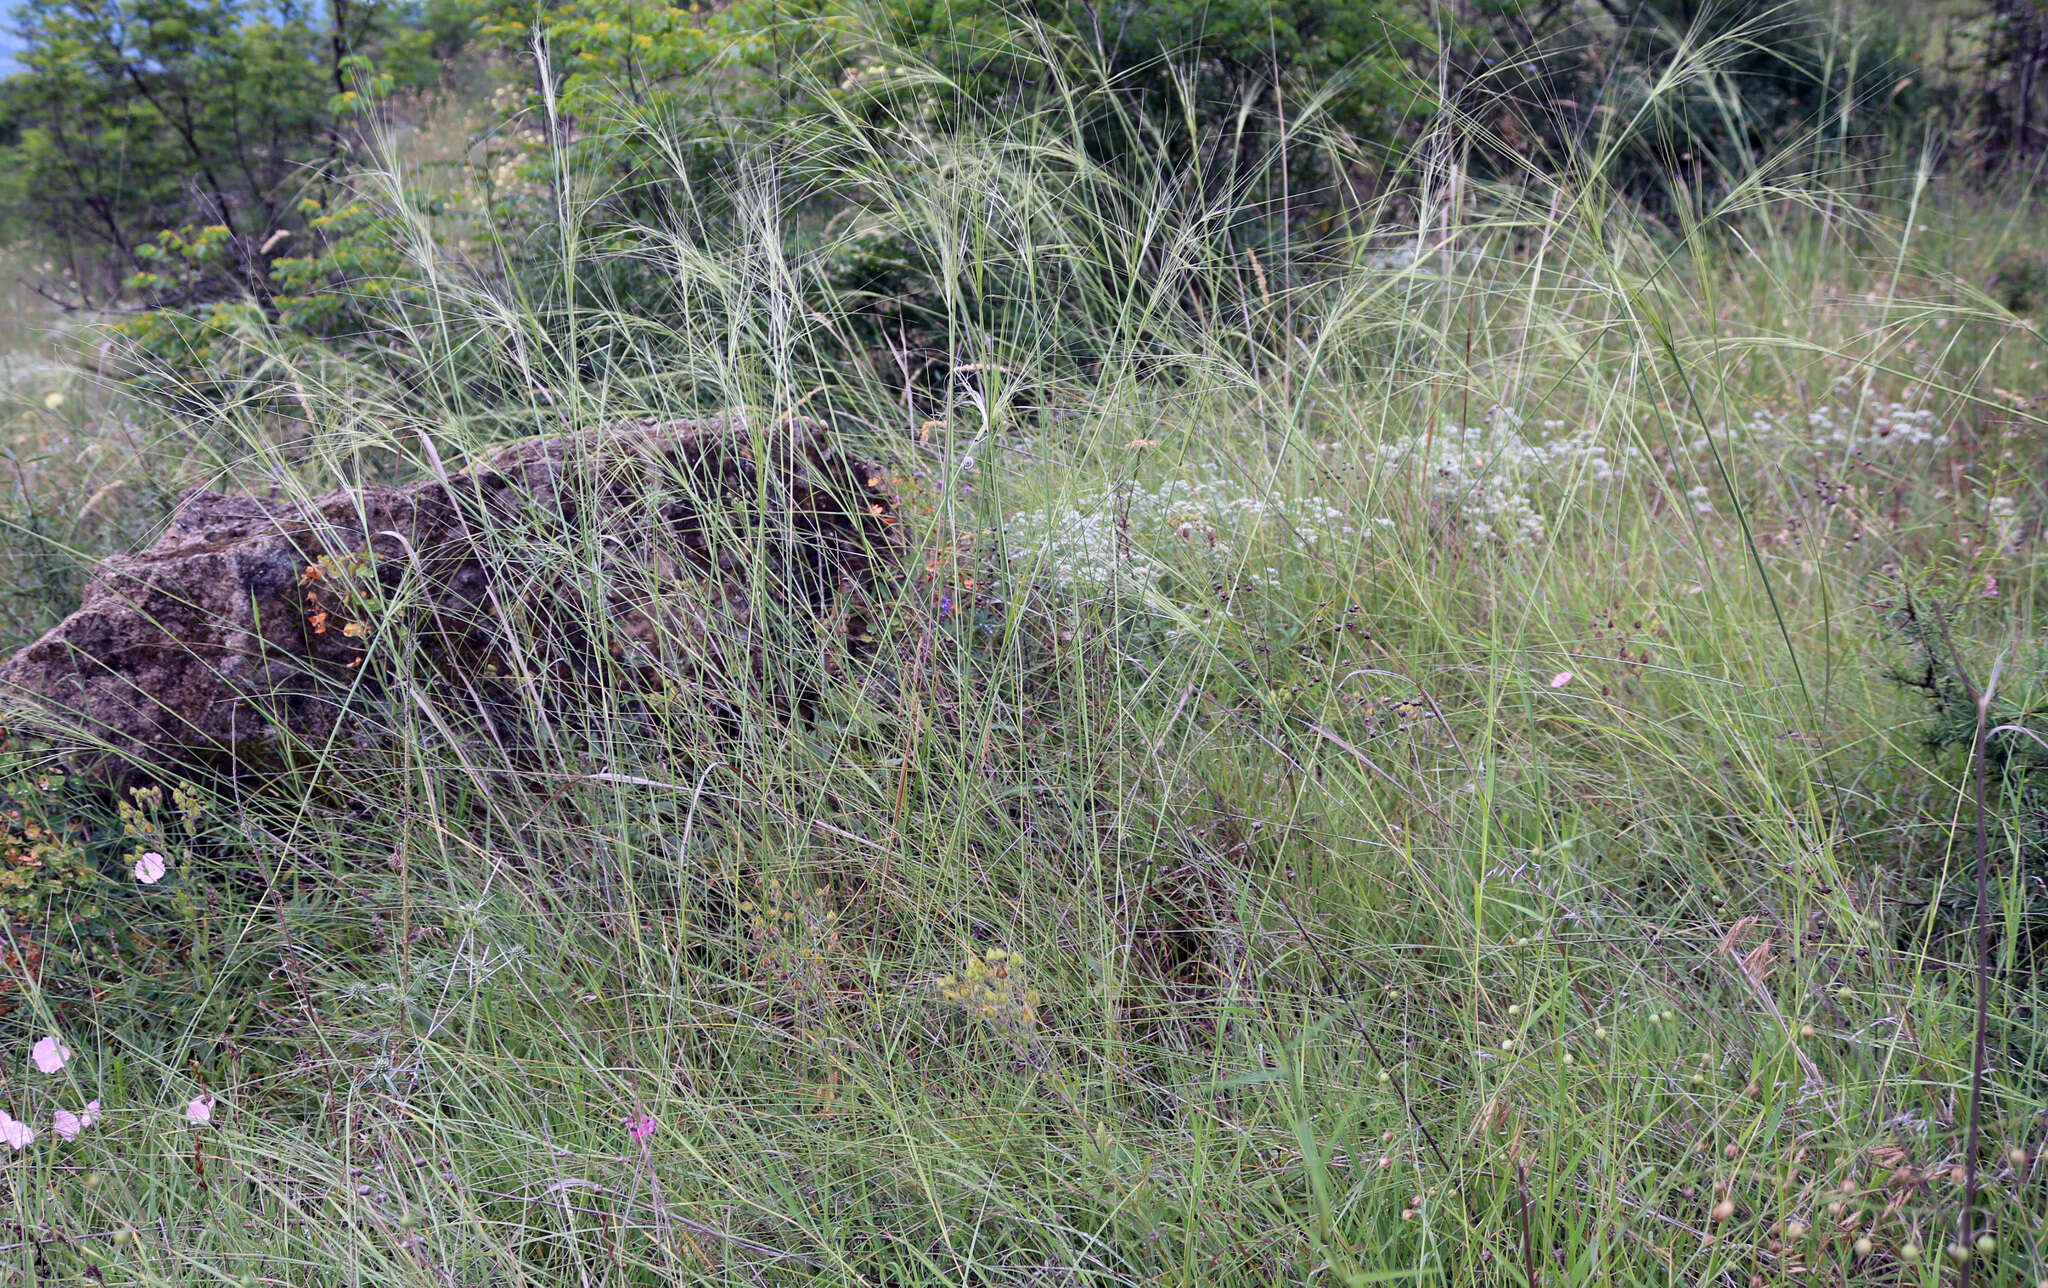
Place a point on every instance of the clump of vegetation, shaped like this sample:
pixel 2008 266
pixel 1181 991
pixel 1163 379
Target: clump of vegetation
pixel 40 864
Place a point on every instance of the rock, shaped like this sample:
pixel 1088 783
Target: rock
pixel 644 558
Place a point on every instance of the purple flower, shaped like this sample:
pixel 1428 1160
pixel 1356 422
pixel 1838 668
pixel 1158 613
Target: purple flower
pixel 640 1126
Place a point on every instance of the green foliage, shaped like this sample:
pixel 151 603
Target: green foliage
pixel 42 860
pixel 1221 59
pixel 214 114
pixel 136 119
pixel 1273 120
pixel 1674 101
pixel 88 943
pixel 2016 764
pixel 1776 79
pixel 2008 107
pixel 412 42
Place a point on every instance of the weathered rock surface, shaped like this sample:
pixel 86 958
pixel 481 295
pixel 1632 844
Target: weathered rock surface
pixel 640 557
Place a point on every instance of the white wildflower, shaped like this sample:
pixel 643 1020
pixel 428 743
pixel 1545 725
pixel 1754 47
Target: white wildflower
pixel 1126 541
pixel 1491 475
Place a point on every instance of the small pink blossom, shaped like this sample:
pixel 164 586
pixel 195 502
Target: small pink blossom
pixel 150 868
pixel 640 1126
pixel 15 1135
pixel 200 1111
pixel 49 1054
pixel 68 1125
pixel 1561 679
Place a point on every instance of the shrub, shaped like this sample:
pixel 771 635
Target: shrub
pixel 210 114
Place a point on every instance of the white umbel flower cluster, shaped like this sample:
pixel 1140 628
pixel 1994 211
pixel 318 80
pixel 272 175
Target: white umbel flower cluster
pixel 1860 425
pixel 1488 474
pixel 1130 538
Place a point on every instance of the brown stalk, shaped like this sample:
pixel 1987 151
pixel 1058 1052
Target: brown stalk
pixel 1528 1244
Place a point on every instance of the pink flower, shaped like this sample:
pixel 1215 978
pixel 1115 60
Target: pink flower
pixel 49 1054
pixel 68 1125
pixel 1561 679
pixel 15 1135
pixel 640 1126
pixel 150 868
pixel 200 1111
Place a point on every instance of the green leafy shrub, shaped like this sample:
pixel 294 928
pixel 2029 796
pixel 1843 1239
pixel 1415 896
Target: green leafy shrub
pixel 194 114
pixel 40 860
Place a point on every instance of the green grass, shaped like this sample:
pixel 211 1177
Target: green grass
pixel 1278 914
